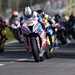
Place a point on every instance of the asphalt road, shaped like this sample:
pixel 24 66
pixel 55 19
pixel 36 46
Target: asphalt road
pixel 15 61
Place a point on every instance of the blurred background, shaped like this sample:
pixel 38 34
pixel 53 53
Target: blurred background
pixel 49 6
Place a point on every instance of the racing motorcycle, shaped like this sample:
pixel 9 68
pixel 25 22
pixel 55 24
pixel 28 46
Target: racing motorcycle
pixel 51 40
pixel 16 29
pixel 35 39
pixel 60 33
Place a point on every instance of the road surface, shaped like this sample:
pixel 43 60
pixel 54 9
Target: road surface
pixel 15 61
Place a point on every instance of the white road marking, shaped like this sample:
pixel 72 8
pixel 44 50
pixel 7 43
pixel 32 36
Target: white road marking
pixel 2 64
pixel 22 60
pixel 10 42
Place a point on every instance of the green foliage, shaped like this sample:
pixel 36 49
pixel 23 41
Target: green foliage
pixel 9 34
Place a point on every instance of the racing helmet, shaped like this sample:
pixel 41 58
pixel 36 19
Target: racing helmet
pixel 39 11
pixel 27 11
pixel 15 13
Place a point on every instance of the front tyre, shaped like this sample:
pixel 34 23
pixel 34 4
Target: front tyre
pixel 49 48
pixel 35 49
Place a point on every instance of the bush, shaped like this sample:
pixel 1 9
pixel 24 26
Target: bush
pixel 9 34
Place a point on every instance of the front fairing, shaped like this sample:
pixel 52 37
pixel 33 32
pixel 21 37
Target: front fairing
pixel 26 26
pixel 15 24
pixel 25 29
pixel 36 27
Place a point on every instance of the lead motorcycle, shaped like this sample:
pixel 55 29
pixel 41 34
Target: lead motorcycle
pixel 35 39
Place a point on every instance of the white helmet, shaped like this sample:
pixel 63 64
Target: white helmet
pixel 28 11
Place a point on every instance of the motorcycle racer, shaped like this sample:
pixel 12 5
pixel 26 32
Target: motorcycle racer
pixel 14 25
pixel 30 18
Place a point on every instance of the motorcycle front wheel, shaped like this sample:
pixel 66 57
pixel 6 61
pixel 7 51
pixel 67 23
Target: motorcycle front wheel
pixel 35 49
pixel 49 48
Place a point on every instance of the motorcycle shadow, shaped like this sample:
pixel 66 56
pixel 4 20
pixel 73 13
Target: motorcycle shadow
pixel 16 56
pixel 67 52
